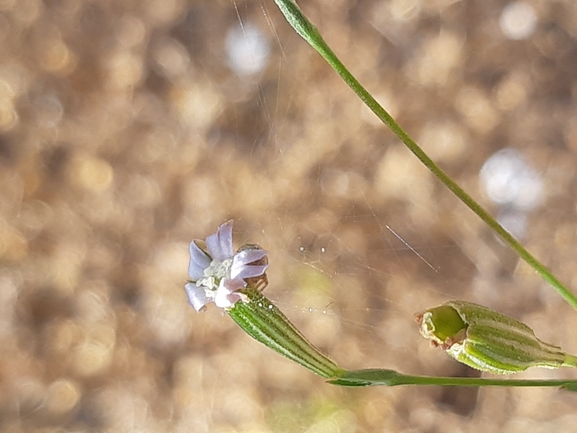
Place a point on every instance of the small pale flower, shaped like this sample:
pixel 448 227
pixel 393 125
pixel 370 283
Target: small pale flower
pixel 218 274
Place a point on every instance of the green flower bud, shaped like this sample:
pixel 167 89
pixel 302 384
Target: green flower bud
pixel 488 341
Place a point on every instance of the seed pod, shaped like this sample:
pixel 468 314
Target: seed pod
pixel 488 341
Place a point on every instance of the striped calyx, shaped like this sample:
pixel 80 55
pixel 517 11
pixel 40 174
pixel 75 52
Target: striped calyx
pixel 488 341
pixel 264 322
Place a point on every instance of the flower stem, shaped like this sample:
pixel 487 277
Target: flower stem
pixel 309 32
pixel 376 377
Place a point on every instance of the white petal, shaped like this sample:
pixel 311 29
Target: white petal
pixel 226 299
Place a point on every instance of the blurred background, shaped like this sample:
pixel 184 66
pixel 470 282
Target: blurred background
pixel 128 128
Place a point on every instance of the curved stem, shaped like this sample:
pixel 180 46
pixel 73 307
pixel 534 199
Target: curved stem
pixel 309 32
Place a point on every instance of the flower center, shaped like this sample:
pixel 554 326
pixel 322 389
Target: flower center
pixel 215 272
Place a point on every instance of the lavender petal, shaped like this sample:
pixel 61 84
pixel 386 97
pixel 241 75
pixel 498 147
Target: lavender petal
pixel 196 296
pixel 199 261
pixel 248 271
pixel 219 244
pixel 233 284
pixel 249 256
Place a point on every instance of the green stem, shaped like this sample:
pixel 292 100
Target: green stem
pixel 376 377
pixel 309 32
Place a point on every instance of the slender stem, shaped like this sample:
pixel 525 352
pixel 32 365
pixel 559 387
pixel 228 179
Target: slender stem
pixel 309 32
pixel 376 377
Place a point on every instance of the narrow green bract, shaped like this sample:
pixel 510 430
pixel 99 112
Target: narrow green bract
pixel 266 323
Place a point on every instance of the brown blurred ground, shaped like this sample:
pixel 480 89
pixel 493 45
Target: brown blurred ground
pixel 123 135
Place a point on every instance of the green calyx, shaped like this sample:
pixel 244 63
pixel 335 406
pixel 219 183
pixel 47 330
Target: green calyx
pixel 487 340
pixel 263 321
